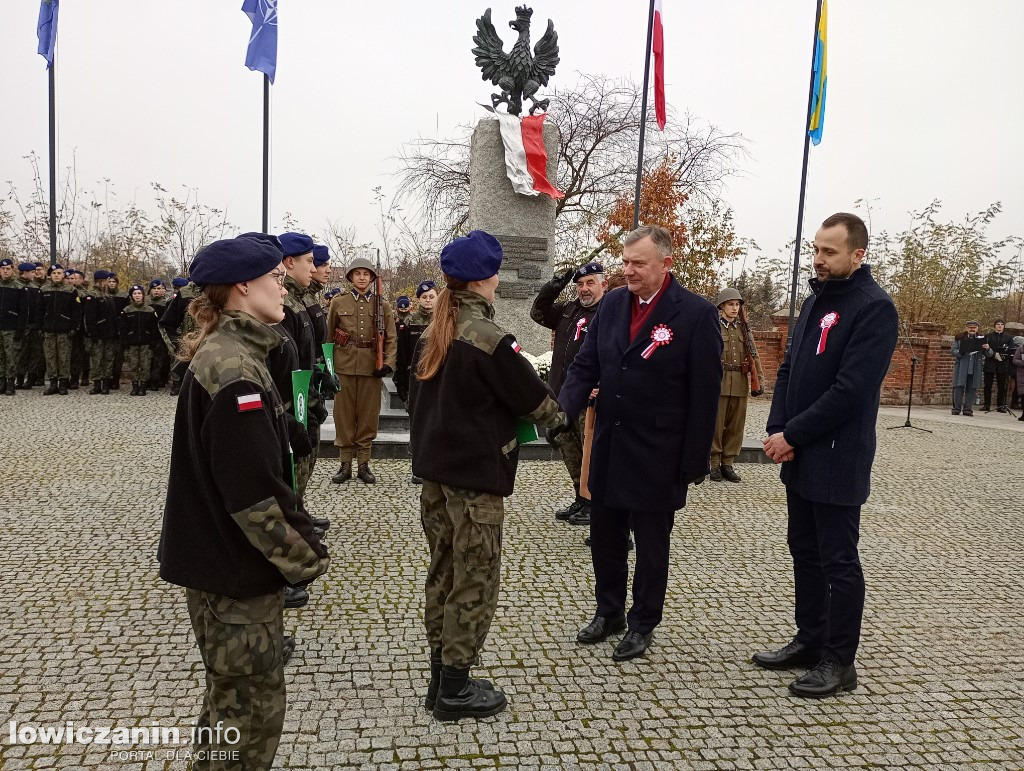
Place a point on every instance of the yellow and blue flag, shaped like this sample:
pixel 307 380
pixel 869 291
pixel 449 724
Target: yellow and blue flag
pixel 817 121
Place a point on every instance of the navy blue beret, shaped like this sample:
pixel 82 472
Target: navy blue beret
pixel 330 294
pixel 234 260
pixel 321 255
pixel 111 274
pixel 590 269
pixel 294 244
pixel 70 272
pixel 473 257
pixel 179 281
pixel 425 286
pixel 156 282
pixel 6 263
pixel 24 266
pixel 403 302
pixel 100 275
pixel 55 266
pixel 264 237
pixel 133 287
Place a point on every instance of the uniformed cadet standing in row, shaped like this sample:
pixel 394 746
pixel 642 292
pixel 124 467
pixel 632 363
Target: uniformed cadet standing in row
pixel 322 386
pixel 352 327
pixel 176 322
pixel 732 403
pixel 470 386
pixel 100 320
pixel 161 358
pixel 79 355
pixel 137 325
pixel 409 334
pixel 31 362
pixel 61 315
pixel 234 533
pixel 13 319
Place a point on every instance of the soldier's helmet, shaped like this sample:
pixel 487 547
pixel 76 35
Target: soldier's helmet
pixel 728 294
pixel 360 262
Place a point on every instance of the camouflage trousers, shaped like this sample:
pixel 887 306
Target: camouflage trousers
pixel 57 350
pixel 30 354
pixel 463 530
pixel 118 365
pixel 729 425
pixel 8 354
pixel 240 642
pixel 304 468
pixel 140 359
pixel 101 359
pixel 570 445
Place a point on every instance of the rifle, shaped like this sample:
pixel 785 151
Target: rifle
pixel 378 315
pixel 748 338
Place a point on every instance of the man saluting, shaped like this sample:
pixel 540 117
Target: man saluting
pixel 656 351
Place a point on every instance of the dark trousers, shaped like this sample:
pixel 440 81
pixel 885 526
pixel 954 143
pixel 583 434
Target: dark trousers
pixel 826 571
pixel 1000 378
pixel 609 538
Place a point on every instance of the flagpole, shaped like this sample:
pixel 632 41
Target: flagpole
pixel 643 120
pixel 266 154
pixel 53 158
pixel 803 181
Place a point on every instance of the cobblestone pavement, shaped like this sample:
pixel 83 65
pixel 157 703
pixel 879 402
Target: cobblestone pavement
pixel 92 635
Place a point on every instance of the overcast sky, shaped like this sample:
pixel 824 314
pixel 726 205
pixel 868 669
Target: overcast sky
pixel 924 98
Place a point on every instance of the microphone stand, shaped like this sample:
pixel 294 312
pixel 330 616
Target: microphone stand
pixel 910 395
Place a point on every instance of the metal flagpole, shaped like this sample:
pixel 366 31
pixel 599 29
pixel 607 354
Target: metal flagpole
pixel 266 154
pixel 53 159
pixel 643 120
pixel 803 183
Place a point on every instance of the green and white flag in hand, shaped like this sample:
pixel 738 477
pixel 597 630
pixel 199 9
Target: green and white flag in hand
pixel 329 357
pixel 300 393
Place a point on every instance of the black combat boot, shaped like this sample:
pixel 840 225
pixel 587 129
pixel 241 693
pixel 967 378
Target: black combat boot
pixel 6 386
pixel 62 386
pixel 435 681
pixel 115 384
pixel 321 522
pixel 73 383
pixel 135 388
pixel 142 388
pixel 175 388
pixel 105 387
pixel 20 383
pixel 716 474
pixel 97 387
pixel 729 474
pixel 52 389
pixel 344 473
pixel 457 697
pixel 365 474
pixel 154 384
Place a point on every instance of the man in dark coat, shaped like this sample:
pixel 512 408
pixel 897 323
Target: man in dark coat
pixel 656 351
pixel 822 429
pixel 998 350
pixel 570 321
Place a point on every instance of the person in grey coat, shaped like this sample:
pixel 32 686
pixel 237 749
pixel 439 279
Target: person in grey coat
pixel 967 372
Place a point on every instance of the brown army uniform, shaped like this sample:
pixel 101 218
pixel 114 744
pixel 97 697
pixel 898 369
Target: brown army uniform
pixel 357 404
pixel 732 403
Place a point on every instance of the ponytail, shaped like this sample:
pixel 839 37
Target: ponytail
pixel 442 330
pixel 205 309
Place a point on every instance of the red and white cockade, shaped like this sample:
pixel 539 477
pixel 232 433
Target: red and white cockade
pixel 660 335
pixel 828 321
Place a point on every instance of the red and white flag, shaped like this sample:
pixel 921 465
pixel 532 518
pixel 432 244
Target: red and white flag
pixel 526 159
pixel 250 402
pixel 658 48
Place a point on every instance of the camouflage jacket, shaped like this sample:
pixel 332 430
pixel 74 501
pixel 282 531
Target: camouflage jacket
pixel 232 523
pixel 471 407
pixel 353 316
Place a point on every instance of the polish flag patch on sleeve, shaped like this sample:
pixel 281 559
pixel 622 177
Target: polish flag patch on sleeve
pixel 515 346
pixel 250 402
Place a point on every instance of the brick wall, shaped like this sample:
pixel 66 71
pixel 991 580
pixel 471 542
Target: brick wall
pixel 933 377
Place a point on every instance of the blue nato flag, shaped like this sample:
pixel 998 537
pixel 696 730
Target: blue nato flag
pixel 46 30
pixel 262 52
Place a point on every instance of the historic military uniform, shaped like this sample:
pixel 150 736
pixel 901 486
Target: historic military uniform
pixel 465 448
pixel 234 534
pixel 30 361
pixel 137 325
pixel 352 327
pixel 13 318
pixel 61 315
pixel 732 402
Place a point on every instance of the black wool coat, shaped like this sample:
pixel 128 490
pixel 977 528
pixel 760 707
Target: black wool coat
pixel 826 404
pixel 655 416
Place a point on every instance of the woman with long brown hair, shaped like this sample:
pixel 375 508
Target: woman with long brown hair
pixel 234 533
pixel 470 387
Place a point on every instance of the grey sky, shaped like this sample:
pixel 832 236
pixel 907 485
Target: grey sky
pixel 923 99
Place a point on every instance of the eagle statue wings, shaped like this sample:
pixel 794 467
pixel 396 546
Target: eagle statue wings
pixel 520 72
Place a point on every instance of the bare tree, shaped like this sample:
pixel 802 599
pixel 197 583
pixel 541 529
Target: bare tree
pixel 186 225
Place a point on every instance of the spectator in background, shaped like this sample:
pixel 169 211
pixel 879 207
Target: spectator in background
pixel 1018 363
pixel 967 369
pixel 998 352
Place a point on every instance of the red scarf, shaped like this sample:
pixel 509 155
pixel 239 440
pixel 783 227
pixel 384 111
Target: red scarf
pixel 640 313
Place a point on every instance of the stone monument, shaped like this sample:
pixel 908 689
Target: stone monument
pixel 524 224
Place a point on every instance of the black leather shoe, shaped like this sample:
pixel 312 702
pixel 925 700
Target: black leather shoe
pixel 458 697
pixel 416 480
pixel 295 597
pixel 792 655
pixel 344 473
pixel 568 511
pixel 319 532
pixel 955 412
pixel 716 474
pixel 581 517
pixel 632 645
pixel 629 544
pixel 600 628
pixel 435 682
pixel 828 678
pixel 322 522
pixel 969 413
pixel 365 474
pixel 287 649
pixel 729 474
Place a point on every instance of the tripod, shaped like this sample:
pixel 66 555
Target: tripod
pixel 909 396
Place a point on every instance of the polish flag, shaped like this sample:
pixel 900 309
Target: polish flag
pixel 250 402
pixel 526 159
pixel 658 47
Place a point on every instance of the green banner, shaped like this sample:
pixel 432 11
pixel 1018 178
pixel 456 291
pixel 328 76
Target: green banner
pixel 525 432
pixel 329 357
pixel 300 393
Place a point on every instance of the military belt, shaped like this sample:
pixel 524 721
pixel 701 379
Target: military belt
pixel 735 367
pixel 368 344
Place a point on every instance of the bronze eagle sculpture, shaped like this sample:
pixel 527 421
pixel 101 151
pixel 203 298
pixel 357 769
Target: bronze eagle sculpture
pixel 518 73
